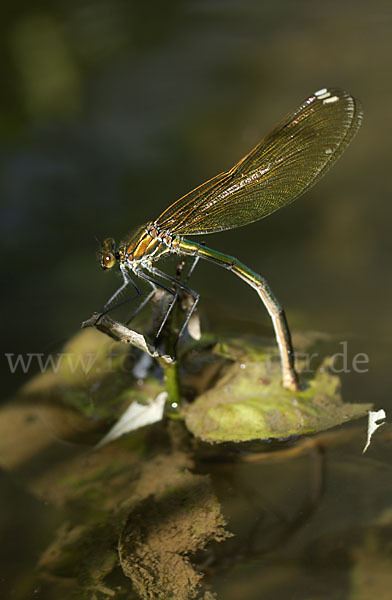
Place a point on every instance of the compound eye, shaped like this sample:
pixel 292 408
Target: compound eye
pixel 108 260
pixel 107 254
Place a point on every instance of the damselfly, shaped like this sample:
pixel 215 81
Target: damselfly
pixel 278 170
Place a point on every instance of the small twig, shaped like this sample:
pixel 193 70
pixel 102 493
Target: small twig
pixel 121 333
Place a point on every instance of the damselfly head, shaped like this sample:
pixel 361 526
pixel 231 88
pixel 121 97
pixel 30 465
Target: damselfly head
pixel 107 254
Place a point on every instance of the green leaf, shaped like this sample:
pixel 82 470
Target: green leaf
pixel 249 403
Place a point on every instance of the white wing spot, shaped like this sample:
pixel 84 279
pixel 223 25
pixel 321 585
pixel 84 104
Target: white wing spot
pixel 323 96
pixel 328 151
pixel 331 99
pixel 321 92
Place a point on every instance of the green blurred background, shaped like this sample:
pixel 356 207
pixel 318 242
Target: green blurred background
pixel 110 110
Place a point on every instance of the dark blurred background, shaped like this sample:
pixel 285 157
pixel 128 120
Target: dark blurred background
pixel 110 110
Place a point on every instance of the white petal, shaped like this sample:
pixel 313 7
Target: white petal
pixel 137 415
pixel 374 416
